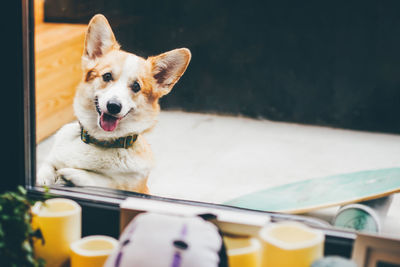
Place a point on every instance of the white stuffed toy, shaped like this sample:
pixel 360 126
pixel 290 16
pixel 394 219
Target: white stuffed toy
pixel 158 240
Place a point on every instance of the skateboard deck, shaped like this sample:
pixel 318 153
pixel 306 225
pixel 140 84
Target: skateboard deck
pixel 312 194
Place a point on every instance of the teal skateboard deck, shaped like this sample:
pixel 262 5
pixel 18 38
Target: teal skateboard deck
pixel 312 194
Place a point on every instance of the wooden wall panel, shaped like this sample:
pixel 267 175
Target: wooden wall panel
pixel 58 50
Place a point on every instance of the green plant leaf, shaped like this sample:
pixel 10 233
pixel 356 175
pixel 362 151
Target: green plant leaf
pixel 16 233
pixel 21 190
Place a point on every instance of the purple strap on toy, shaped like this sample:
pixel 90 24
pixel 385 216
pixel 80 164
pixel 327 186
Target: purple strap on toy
pixel 126 242
pixel 180 245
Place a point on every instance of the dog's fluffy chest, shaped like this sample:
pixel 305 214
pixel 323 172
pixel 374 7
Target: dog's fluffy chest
pixel 70 151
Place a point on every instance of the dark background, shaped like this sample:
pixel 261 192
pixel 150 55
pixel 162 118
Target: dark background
pixel 332 63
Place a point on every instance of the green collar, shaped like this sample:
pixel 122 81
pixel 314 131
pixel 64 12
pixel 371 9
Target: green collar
pixel 122 142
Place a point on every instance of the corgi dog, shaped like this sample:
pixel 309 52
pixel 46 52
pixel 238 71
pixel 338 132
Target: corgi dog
pixel 115 103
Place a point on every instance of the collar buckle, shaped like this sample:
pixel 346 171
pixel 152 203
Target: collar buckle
pixel 126 141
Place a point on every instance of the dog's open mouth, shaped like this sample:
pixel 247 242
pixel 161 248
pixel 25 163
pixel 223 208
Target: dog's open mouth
pixel 108 123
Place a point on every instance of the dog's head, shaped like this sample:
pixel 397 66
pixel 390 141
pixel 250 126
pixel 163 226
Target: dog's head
pixel 119 92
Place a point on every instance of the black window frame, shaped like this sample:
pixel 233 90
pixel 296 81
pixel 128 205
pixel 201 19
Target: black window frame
pixel 96 202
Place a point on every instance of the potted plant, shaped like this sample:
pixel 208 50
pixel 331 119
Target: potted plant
pixel 16 233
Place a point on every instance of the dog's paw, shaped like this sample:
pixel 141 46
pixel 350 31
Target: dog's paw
pixel 75 177
pixel 46 175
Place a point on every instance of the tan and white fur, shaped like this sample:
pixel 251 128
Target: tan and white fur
pixel 111 75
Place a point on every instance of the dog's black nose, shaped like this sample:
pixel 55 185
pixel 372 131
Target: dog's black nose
pixel 113 106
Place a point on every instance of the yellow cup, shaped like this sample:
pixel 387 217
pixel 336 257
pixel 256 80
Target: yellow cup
pixel 291 244
pixel 243 252
pixel 59 220
pixel 92 251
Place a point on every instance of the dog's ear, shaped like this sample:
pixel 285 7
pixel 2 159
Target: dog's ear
pixel 99 38
pixel 168 67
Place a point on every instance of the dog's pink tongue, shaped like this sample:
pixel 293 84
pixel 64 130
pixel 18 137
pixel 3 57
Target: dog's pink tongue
pixel 107 122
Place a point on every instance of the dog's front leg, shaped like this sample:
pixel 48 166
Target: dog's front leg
pixel 46 175
pixel 81 177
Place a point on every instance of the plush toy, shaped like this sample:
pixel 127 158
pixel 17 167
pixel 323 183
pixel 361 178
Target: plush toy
pixel 159 240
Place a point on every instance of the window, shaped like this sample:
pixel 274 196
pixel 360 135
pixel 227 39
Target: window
pixel 273 94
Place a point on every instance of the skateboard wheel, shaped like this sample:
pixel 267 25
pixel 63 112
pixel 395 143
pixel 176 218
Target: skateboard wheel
pixel 358 217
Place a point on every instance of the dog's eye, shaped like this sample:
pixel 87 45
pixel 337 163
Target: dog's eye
pixel 107 77
pixel 135 87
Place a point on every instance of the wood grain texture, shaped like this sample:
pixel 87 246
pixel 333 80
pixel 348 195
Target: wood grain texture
pixel 58 50
pixel 39 11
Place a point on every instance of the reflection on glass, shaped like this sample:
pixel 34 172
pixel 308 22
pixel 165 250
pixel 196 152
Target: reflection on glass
pixel 105 101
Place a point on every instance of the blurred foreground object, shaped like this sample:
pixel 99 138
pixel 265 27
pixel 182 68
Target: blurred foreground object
pixel 178 241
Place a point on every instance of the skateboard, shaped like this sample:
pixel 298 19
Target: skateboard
pixel 313 194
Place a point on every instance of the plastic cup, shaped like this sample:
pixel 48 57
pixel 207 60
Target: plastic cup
pixel 243 251
pixel 92 251
pixel 59 220
pixel 290 244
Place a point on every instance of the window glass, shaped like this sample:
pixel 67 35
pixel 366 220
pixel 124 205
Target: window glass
pixel 256 99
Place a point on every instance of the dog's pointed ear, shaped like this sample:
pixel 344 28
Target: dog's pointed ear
pixel 168 67
pixel 99 38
